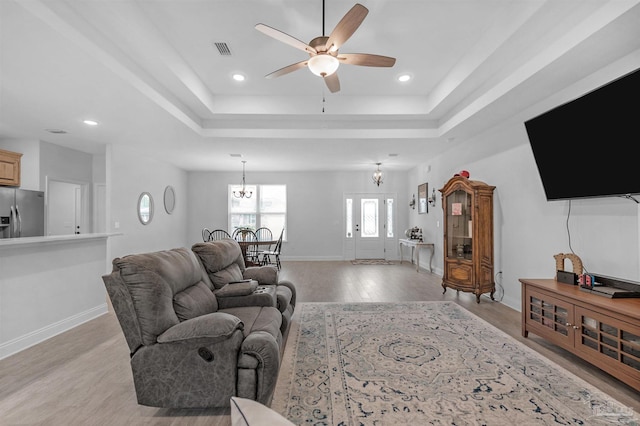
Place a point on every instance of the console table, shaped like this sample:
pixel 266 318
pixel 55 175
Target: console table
pixel 600 330
pixel 416 245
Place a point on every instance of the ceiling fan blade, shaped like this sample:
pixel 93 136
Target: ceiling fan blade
pixel 285 38
pixel 346 27
pixel 287 69
pixel 332 82
pixel 366 60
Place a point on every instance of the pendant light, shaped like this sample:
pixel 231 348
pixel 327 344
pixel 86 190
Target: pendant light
pixel 243 193
pixel 377 175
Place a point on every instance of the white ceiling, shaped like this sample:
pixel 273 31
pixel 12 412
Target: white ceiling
pixel 150 74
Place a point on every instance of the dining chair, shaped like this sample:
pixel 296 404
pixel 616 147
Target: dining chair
pixel 247 240
pixel 206 235
pixel 272 257
pixel 219 234
pixel 264 234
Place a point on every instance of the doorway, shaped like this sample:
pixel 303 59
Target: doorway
pixel 66 208
pixel 369 225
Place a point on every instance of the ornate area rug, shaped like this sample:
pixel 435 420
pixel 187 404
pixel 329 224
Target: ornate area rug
pixel 425 363
pixel 371 262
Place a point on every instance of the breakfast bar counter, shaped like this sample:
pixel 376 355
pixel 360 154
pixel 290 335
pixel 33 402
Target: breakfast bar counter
pixel 49 285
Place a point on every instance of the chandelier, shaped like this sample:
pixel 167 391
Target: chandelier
pixel 377 175
pixel 242 193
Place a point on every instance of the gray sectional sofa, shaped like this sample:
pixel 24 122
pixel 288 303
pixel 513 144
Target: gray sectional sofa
pixel 200 326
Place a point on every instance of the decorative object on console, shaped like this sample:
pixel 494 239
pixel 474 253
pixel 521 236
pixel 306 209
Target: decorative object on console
pixel 243 193
pixel 414 233
pixel 377 175
pixel 576 262
pixel 423 206
pixel 412 203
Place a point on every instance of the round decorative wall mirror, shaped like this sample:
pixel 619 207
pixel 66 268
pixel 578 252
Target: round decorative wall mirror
pixel 169 199
pixel 145 208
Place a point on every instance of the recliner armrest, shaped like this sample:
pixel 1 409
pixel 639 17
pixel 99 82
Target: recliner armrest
pixel 214 327
pixel 237 289
pixel 263 274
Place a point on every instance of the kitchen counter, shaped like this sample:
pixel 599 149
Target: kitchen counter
pixel 49 285
pixel 12 242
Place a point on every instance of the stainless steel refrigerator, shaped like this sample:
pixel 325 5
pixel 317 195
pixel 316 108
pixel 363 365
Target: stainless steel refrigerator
pixel 21 213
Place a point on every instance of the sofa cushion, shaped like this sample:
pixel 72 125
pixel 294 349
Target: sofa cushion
pixel 254 318
pixel 194 301
pixel 222 260
pixel 246 412
pixel 224 276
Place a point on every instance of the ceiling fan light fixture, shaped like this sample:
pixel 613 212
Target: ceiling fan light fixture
pixel 323 65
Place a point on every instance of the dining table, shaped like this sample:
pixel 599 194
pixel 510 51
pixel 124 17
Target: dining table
pixel 244 245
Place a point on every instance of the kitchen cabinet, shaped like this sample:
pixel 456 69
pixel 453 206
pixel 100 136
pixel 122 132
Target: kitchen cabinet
pixel 9 168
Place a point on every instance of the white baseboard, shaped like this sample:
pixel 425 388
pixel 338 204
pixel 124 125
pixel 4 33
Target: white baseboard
pixel 23 342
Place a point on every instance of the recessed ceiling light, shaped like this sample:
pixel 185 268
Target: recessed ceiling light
pixel 56 131
pixel 90 122
pixel 404 77
pixel 239 77
pixel 236 155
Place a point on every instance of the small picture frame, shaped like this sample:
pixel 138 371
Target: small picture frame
pixel 423 205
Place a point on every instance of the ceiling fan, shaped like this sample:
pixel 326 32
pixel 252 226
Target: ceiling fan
pixel 324 58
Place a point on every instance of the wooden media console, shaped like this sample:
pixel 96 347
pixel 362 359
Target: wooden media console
pixel 603 331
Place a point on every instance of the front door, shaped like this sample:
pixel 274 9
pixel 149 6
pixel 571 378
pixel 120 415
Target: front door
pixel 368 219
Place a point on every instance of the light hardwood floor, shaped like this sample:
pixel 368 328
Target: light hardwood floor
pixel 82 377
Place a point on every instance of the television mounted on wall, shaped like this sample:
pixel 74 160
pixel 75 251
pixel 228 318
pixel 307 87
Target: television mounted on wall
pixel 585 148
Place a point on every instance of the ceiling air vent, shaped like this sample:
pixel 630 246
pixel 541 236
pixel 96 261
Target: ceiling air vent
pixel 223 48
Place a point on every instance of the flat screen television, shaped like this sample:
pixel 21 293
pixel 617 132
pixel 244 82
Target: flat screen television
pixel 585 148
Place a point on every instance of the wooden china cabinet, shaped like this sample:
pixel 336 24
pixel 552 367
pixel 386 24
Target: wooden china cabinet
pixel 468 236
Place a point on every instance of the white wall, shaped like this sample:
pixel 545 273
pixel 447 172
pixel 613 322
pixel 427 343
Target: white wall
pixel 529 230
pixel 315 226
pixel 130 173
pixel 65 164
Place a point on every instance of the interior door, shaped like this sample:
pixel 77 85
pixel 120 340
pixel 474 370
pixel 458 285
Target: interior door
pixel 64 208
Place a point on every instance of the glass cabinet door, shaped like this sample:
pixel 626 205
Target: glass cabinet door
pixel 459 225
